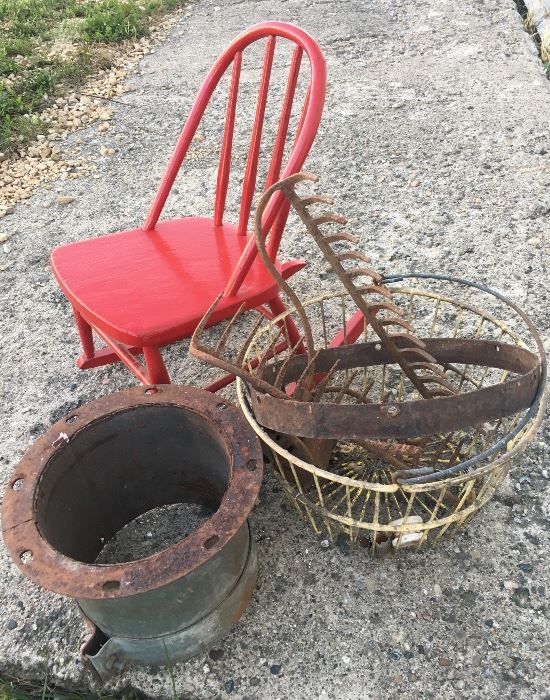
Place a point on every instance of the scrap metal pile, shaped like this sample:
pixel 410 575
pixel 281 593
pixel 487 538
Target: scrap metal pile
pixel 390 422
pixel 389 407
pixel 396 414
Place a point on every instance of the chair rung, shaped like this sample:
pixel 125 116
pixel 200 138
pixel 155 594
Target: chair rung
pixel 104 356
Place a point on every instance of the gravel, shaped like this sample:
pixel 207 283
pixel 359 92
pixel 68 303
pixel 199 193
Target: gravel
pixel 435 144
pixel 153 531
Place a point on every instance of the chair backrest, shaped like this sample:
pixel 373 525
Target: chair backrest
pixel 310 116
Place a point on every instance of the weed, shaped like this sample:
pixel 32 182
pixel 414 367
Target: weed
pixel 529 21
pixel 15 689
pixel 18 46
pixel 45 686
pixel 31 75
pixel 170 671
pixel 113 20
pixel 8 65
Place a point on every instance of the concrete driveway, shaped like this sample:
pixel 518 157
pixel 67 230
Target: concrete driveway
pixel 435 143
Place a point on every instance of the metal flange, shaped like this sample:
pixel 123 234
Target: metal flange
pixel 105 464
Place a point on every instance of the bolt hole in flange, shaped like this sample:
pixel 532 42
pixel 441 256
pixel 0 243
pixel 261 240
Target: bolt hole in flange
pixel 151 390
pixel 110 586
pixel 71 419
pixel 211 542
pixel 152 474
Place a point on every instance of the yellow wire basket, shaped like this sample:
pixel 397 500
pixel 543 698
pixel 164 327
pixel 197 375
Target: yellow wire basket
pixel 451 476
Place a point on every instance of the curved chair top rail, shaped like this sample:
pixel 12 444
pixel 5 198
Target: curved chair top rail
pixel 310 117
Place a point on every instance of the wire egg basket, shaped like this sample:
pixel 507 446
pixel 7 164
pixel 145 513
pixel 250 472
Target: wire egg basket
pixel 389 494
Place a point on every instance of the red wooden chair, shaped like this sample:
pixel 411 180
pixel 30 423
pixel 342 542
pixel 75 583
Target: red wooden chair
pixel 144 288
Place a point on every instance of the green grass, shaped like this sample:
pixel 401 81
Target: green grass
pixel 15 689
pixel 30 77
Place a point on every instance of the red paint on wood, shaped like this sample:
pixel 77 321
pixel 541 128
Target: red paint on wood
pixel 146 287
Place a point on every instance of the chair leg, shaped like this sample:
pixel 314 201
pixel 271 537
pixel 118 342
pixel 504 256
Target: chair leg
pixel 156 369
pixel 92 357
pixel 86 337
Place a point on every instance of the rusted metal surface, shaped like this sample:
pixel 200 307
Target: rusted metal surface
pixel 407 419
pixel 28 500
pixel 312 383
pixel 373 298
pixel 114 459
pixel 310 397
pixel 380 513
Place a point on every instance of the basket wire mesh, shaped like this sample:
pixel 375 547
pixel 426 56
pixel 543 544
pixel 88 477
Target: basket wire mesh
pixel 358 494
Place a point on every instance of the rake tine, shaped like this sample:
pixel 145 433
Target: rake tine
pixel 306 374
pixel 366 390
pixel 364 272
pixel 418 352
pixel 278 383
pixel 246 344
pixel 195 343
pixel 440 392
pixel 329 219
pixel 267 354
pixel 427 365
pixel 346 391
pixel 374 289
pixel 434 379
pixel 341 236
pixel 346 385
pixel 227 330
pixel 352 255
pixel 397 322
pixel 302 176
pixel 386 306
pixel 320 388
pixel 405 337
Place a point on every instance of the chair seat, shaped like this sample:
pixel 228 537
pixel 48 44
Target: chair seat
pixel 153 287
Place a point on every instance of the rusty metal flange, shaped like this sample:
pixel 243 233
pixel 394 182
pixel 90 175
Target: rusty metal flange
pixel 109 462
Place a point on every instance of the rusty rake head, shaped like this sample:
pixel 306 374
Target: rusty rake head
pixel 324 377
pixel 371 298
